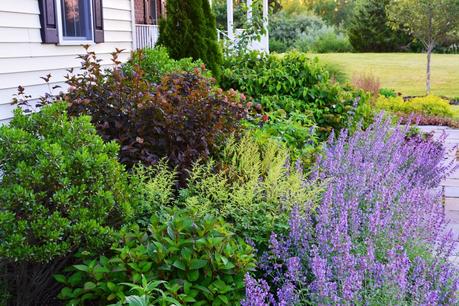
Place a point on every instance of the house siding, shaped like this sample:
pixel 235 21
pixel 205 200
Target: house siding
pixel 24 59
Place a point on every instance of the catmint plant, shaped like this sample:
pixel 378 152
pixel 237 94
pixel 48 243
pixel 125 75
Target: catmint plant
pixel 379 235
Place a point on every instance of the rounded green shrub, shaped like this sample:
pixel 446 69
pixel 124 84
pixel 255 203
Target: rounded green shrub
pixel 61 188
pixel 156 62
pixel 296 77
pixel 187 260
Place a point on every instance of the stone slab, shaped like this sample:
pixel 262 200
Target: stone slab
pixel 451 204
pixel 451 182
pixel 451 192
pixel 452 216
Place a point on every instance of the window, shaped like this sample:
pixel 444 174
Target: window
pixel 71 22
pixel 76 20
pixel 154 12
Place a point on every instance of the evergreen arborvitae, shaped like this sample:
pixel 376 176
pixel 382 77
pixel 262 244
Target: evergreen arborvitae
pixel 189 30
pixel 369 31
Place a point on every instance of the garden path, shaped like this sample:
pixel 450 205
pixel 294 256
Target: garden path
pixel 450 185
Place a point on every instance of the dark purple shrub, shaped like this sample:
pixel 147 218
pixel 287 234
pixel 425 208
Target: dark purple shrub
pixel 378 236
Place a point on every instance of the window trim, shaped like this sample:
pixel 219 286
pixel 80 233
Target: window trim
pixel 60 28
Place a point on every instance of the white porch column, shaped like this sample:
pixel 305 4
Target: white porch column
pixel 230 12
pixel 265 39
pixel 249 11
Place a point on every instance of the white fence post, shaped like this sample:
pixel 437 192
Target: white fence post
pixel 249 11
pixel 230 13
pixel 265 38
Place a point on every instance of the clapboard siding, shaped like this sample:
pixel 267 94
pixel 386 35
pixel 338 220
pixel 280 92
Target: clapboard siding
pixel 24 59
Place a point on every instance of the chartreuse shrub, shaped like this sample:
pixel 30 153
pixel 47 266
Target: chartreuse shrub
pixel 303 83
pixel 254 190
pixel 182 259
pixel 61 189
pixel 252 185
pixel 429 106
pixel 156 63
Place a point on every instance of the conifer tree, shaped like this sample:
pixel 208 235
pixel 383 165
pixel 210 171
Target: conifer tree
pixel 370 32
pixel 189 30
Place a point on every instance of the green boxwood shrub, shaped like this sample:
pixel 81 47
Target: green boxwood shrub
pixel 187 260
pixel 61 188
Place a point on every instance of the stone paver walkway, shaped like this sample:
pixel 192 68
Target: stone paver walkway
pixel 451 184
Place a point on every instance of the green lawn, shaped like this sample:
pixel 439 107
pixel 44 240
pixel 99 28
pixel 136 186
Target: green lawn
pixel 404 72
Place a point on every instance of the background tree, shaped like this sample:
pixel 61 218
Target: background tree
pixel 189 30
pixel 432 22
pixel 369 31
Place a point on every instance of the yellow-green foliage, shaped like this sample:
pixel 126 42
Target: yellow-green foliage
pixel 252 186
pixel 254 190
pixel 154 186
pixel 429 105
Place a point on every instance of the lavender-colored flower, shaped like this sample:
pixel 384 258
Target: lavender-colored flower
pixel 380 226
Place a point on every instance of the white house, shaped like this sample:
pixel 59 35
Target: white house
pixel 40 37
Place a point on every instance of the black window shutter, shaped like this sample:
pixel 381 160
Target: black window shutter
pixel 48 20
pixel 98 21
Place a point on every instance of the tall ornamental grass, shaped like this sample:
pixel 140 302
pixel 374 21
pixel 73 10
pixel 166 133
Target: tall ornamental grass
pixel 379 236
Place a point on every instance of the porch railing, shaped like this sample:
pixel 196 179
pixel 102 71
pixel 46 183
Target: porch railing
pixel 146 35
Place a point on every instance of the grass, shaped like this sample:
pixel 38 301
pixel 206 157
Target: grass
pixel 404 72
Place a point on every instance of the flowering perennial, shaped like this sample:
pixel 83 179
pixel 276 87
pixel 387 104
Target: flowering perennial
pixel 379 235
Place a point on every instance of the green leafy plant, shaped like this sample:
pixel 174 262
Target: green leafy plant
pixel 323 40
pixel 179 259
pixel 297 78
pixel 387 92
pixel 61 189
pixel 305 32
pixel 155 63
pixel 429 105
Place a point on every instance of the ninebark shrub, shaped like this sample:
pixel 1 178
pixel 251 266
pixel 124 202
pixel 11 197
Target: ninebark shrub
pixel 183 118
